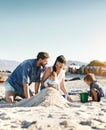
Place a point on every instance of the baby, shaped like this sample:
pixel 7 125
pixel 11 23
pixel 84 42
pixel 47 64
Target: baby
pixel 52 81
pixel 96 91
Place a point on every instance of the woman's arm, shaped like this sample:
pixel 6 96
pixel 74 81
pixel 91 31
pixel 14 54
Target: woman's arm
pixel 63 88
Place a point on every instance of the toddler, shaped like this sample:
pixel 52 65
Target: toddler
pixel 52 81
pixel 96 91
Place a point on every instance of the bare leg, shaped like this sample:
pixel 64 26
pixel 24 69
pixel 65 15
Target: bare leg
pixel 10 95
pixel 95 95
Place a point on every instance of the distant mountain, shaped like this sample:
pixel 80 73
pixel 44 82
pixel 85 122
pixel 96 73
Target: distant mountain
pixel 11 64
pixel 77 63
pixel 8 64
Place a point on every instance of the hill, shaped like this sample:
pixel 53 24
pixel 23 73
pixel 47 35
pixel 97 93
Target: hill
pixel 78 63
pixel 11 64
pixel 8 64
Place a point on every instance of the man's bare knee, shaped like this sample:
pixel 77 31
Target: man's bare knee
pixel 10 96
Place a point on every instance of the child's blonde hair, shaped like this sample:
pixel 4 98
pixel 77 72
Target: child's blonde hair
pixel 90 77
pixel 53 73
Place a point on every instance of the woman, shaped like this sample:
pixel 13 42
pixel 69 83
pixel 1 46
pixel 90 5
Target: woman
pixel 58 68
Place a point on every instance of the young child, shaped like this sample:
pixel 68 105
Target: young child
pixel 96 91
pixel 52 81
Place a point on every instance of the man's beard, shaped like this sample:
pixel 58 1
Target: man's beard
pixel 43 65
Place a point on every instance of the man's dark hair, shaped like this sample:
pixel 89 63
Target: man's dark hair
pixel 42 55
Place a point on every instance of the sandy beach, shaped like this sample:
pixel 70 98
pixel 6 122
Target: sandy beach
pixel 48 110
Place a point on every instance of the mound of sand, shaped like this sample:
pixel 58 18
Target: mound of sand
pixel 46 97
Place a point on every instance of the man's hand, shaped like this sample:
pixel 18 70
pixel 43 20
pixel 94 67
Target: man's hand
pixel 37 87
pixel 26 90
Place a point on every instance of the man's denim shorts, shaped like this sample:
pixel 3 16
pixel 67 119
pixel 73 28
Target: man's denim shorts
pixel 8 87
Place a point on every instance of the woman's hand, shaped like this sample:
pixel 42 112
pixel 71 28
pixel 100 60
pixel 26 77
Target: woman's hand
pixel 69 98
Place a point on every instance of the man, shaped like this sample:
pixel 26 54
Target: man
pixel 25 73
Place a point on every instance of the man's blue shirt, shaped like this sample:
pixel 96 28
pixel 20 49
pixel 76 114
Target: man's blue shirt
pixel 26 72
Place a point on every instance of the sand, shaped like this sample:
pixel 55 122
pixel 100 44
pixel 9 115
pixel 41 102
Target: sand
pixel 48 110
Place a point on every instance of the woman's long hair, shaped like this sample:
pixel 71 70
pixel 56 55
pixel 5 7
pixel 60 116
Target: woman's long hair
pixel 60 59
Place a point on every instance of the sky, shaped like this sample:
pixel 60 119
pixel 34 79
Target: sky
pixel 73 28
